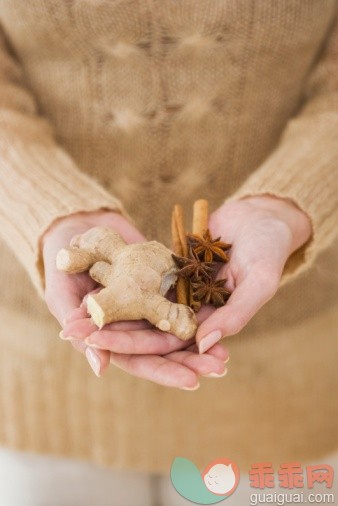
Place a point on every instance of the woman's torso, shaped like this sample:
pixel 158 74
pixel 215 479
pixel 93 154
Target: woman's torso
pixel 177 100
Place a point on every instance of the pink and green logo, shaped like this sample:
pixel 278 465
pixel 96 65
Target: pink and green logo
pixel 218 481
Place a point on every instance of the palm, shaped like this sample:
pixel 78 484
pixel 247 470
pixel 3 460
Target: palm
pixel 136 346
pixel 64 292
pixel 261 243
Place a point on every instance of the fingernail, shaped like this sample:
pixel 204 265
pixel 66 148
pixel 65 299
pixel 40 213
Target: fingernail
pixel 215 375
pixel 209 340
pixel 226 360
pixel 68 317
pixel 66 338
pixel 196 387
pixel 94 361
pixel 93 344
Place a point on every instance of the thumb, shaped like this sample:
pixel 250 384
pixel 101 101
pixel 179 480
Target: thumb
pixel 247 298
pixel 63 291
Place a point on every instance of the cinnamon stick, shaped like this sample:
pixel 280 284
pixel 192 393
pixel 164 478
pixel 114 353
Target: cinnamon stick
pixel 178 213
pixel 175 236
pixel 180 248
pixel 200 217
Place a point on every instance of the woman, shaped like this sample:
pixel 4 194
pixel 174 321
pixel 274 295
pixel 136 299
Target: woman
pixel 111 112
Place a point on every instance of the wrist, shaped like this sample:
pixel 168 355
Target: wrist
pixel 288 211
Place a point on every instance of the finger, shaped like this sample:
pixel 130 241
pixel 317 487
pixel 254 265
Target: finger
pixel 204 313
pixel 84 300
pixel 217 350
pixel 64 291
pixel 157 369
pixel 204 365
pixel 84 327
pixel 78 329
pixel 78 313
pixel 247 298
pixel 226 273
pixel 78 345
pixel 98 359
pixel 139 342
pixel 62 295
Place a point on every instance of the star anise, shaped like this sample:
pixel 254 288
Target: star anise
pixel 195 305
pixel 207 248
pixel 192 266
pixel 209 291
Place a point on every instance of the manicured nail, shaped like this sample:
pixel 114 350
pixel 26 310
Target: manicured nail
pixel 215 375
pixel 209 340
pixel 93 344
pixel 196 387
pixel 66 338
pixel 94 361
pixel 62 336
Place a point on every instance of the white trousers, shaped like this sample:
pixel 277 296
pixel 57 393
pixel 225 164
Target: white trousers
pixel 35 480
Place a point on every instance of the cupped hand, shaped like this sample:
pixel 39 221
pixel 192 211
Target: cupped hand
pixel 264 231
pixel 136 346
pixel 63 292
pixel 146 352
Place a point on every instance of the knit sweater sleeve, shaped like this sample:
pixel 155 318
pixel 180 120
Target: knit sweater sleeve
pixel 304 165
pixel 40 182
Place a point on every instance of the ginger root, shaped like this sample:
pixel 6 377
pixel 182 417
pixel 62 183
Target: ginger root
pixel 136 278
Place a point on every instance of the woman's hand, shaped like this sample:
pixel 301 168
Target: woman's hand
pixel 64 293
pixel 74 287
pixel 136 346
pixel 263 231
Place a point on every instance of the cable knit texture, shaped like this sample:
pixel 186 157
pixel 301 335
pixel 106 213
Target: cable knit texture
pixel 136 105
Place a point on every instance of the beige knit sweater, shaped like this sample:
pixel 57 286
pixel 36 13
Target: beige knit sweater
pixel 137 105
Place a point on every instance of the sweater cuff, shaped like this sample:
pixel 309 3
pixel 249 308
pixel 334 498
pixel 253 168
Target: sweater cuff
pixel 41 197
pixel 303 170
